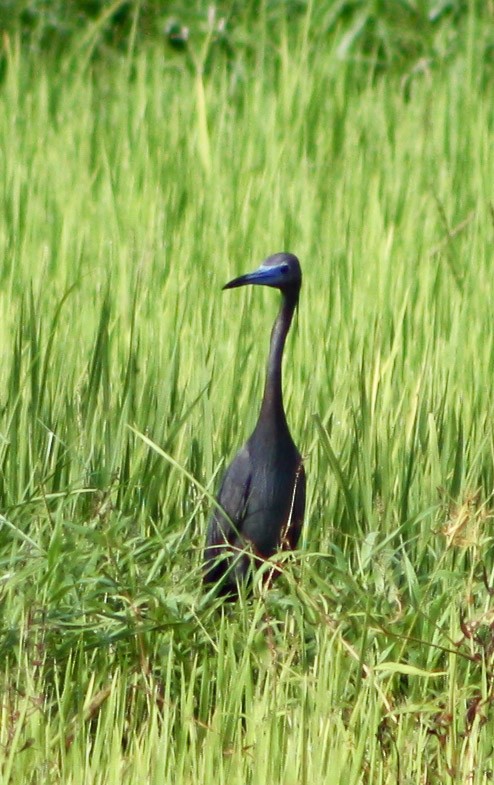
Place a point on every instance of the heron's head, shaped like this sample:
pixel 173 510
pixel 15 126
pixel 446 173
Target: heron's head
pixel 282 270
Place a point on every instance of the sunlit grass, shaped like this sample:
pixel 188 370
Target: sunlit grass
pixel 130 195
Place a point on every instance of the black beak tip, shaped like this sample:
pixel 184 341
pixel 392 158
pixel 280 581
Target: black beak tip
pixel 235 283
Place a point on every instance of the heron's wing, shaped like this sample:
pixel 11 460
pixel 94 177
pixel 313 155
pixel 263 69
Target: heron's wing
pixel 225 524
pixel 226 527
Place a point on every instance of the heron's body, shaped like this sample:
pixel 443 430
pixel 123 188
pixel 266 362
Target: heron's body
pixel 262 496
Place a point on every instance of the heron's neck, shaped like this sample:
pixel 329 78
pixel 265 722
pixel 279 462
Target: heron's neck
pixel 272 402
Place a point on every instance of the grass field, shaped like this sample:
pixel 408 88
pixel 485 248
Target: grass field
pixel 132 190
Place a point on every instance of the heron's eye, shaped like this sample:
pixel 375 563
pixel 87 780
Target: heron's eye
pixel 284 268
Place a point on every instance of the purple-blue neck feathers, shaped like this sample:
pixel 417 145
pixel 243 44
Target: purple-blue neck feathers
pixel 272 402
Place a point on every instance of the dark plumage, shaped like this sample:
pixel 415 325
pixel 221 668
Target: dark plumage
pixel 263 490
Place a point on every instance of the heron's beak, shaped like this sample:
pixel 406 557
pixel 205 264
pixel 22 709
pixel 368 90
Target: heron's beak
pixel 263 276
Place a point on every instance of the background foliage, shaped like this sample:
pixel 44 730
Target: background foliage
pixel 388 32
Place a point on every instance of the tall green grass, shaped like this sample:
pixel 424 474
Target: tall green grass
pixel 130 195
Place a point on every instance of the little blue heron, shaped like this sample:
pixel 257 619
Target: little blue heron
pixel 262 496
